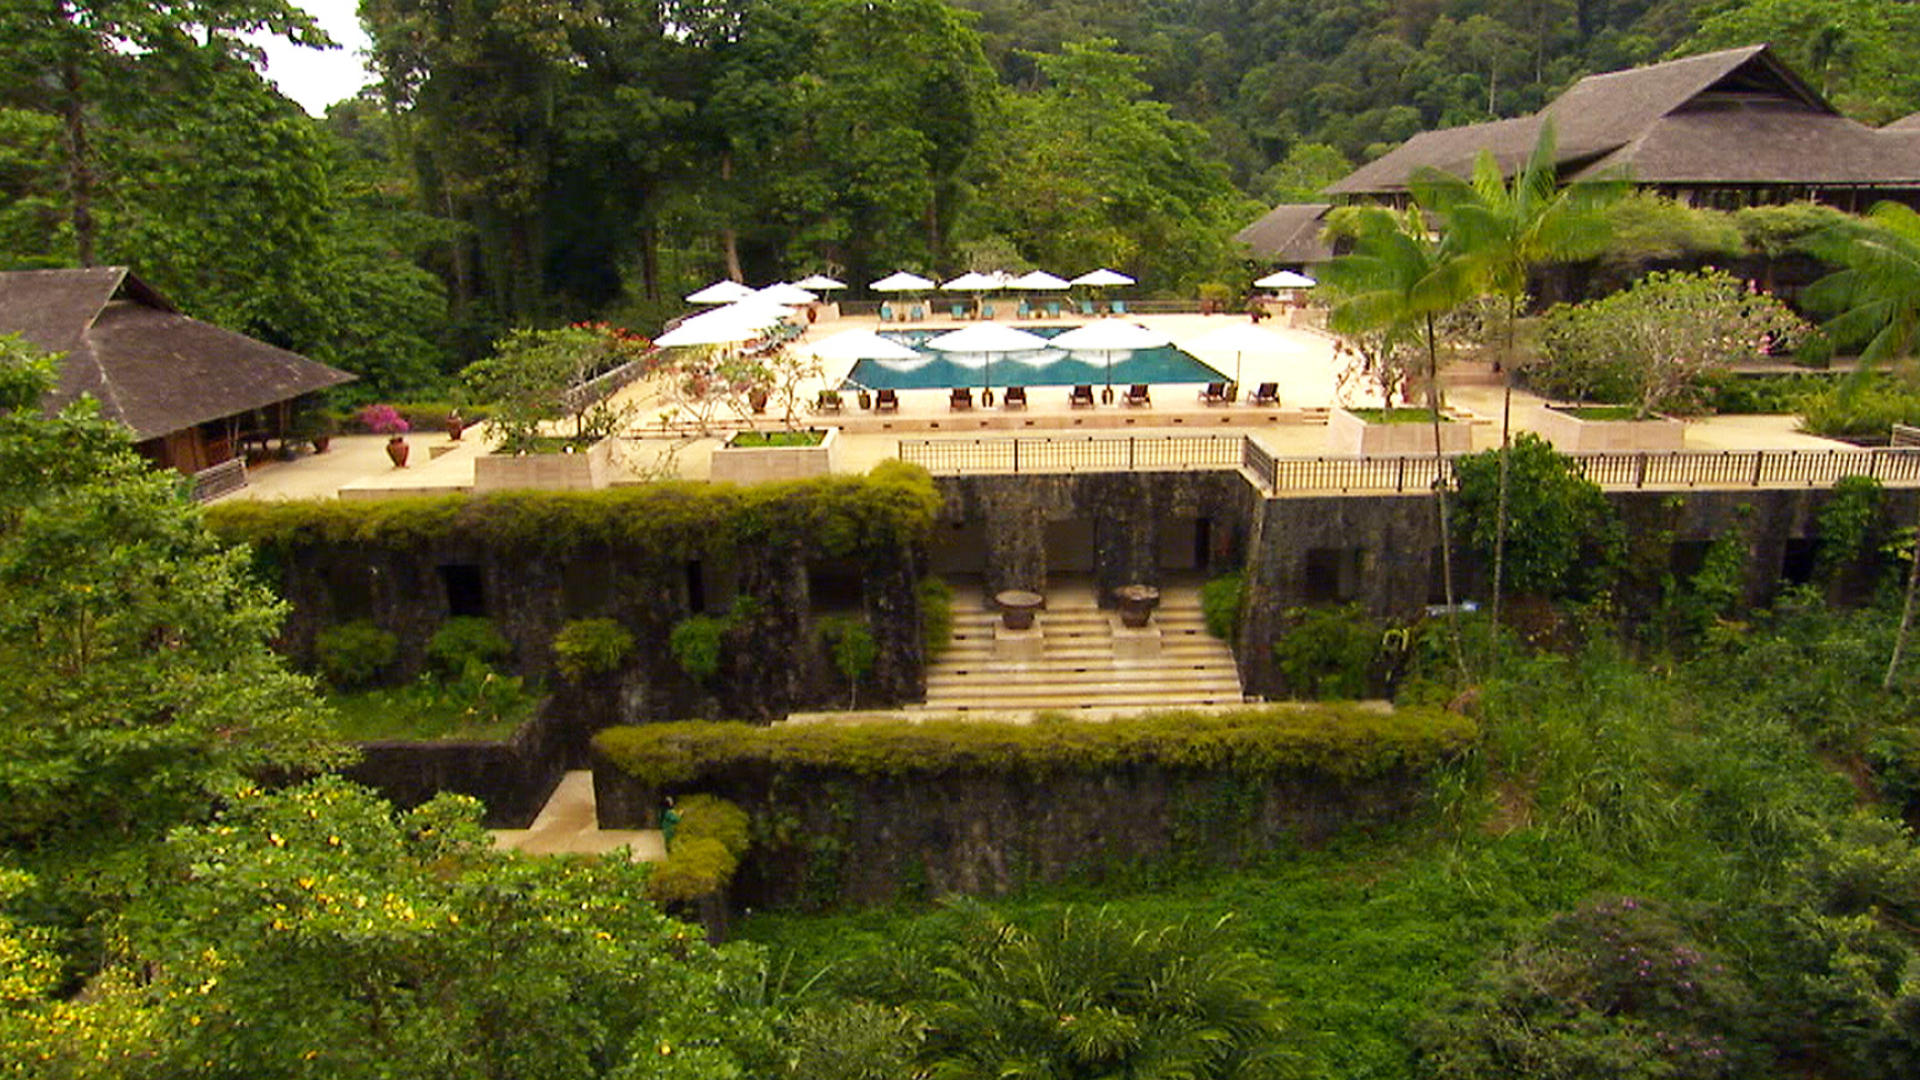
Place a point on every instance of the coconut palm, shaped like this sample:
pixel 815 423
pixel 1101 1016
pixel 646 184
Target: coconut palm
pixel 1504 229
pixel 1400 279
pixel 1875 296
pixel 1089 994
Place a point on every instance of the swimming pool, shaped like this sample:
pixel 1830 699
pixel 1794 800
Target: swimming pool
pixel 1041 367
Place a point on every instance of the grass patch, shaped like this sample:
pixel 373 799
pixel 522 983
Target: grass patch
pixel 1399 416
pixel 430 712
pixel 756 440
pixel 1601 412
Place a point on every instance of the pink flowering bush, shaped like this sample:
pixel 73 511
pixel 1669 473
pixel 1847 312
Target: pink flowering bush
pixel 383 420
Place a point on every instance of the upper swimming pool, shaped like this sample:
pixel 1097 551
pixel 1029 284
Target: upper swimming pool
pixel 1040 367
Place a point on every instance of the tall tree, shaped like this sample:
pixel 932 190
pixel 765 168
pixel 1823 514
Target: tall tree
pixel 1503 230
pixel 1875 298
pixel 1400 278
pixel 73 55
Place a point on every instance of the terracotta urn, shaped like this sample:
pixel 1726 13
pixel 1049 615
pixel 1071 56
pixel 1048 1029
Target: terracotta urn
pixel 397 449
pixel 1017 607
pixel 1136 604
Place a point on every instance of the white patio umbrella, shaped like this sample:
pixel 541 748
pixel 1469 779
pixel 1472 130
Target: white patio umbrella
pixel 1239 339
pixel 986 339
pixel 1039 281
pixel 723 291
pixel 782 293
pixel 820 283
pixel 1109 336
pixel 1285 279
pixel 736 322
pixel 855 345
pixel 971 281
pixel 1102 277
pixel 901 281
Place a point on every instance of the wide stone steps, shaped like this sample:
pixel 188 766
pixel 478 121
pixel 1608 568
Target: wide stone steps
pixel 1078 666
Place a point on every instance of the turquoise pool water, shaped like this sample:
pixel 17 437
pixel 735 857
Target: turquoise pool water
pixel 1042 367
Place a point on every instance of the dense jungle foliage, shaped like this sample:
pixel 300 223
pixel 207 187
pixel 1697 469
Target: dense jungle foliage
pixel 643 147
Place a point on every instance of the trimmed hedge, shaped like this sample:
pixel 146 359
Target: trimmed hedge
pixel 713 836
pixel 838 516
pixel 1342 741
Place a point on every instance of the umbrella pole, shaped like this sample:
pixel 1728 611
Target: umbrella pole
pixel 1106 396
pixel 1236 369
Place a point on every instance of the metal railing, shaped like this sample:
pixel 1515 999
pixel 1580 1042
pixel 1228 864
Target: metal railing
pixel 1089 453
pixel 1905 435
pixel 1398 474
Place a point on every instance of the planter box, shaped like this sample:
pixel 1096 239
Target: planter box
pixel 1349 435
pixel 760 464
pixel 553 472
pixel 1569 434
pixel 513 777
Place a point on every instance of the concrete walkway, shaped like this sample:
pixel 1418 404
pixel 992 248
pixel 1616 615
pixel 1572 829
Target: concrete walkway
pixel 567 826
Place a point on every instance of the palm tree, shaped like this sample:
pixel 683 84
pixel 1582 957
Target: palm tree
pixel 1088 994
pixel 1504 229
pixel 1876 297
pixel 1400 279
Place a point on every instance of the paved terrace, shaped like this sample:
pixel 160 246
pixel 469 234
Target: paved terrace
pixel 658 444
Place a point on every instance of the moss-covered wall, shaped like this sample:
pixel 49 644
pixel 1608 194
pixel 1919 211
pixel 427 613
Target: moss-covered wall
pixel 647 557
pixel 876 812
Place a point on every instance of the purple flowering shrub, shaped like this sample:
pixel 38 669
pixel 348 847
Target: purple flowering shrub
pixel 383 420
pixel 1615 990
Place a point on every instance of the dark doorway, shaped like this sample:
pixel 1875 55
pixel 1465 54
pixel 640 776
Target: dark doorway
pixel 466 590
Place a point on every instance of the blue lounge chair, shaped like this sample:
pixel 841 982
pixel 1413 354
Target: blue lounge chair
pixel 1119 307
pixel 917 313
pixel 986 311
pixel 1025 310
pixel 959 311
pixel 886 312
pixel 1053 309
pixel 1086 308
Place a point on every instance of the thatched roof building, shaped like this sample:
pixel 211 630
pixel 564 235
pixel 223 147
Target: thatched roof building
pixel 190 391
pixel 1289 233
pixel 1726 129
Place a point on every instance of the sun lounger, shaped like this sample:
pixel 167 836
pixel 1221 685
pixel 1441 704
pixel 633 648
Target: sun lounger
pixel 1025 310
pixel 885 400
pixel 986 311
pixel 959 312
pixel 917 313
pixel 1267 393
pixel 1137 395
pixel 829 402
pixel 1081 397
pixel 886 312
pixel 1214 394
pixel 1086 308
pixel 960 399
pixel 1053 309
pixel 1016 398
pixel 1118 307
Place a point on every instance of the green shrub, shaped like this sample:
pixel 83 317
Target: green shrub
pixel 354 654
pixel 850 644
pixel 936 616
pixel 1847 527
pixel 1563 538
pixel 1346 741
pixel 709 817
pixel 696 868
pixel 1328 653
pixel 1864 412
pixel 463 641
pixel 696 644
pixel 1221 601
pixel 586 647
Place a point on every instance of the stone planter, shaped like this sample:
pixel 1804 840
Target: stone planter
pixel 1017 607
pixel 1136 604
pixel 1570 434
pixel 397 450
pixel 551 472
pixel 1350 435
pixel 760 464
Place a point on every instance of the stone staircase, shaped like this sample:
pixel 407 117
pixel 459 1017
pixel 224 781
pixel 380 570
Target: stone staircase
pixel 1078 665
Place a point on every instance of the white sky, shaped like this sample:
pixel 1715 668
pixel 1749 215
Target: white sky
pixel 313 77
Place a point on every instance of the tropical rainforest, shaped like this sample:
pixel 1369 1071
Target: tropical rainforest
pixel 1681 848
pixel 537 162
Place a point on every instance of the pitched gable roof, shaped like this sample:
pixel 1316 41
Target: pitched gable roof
pixel 1289 232
pixel 150 367
pixel 1733 116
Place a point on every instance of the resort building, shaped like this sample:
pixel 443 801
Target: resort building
pixel 1724 130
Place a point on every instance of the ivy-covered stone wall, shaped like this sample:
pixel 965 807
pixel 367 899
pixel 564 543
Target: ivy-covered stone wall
pixel 875 812
pixel 648 557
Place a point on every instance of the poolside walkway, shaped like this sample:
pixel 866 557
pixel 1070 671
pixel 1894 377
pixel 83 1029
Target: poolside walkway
pixel 1307 374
